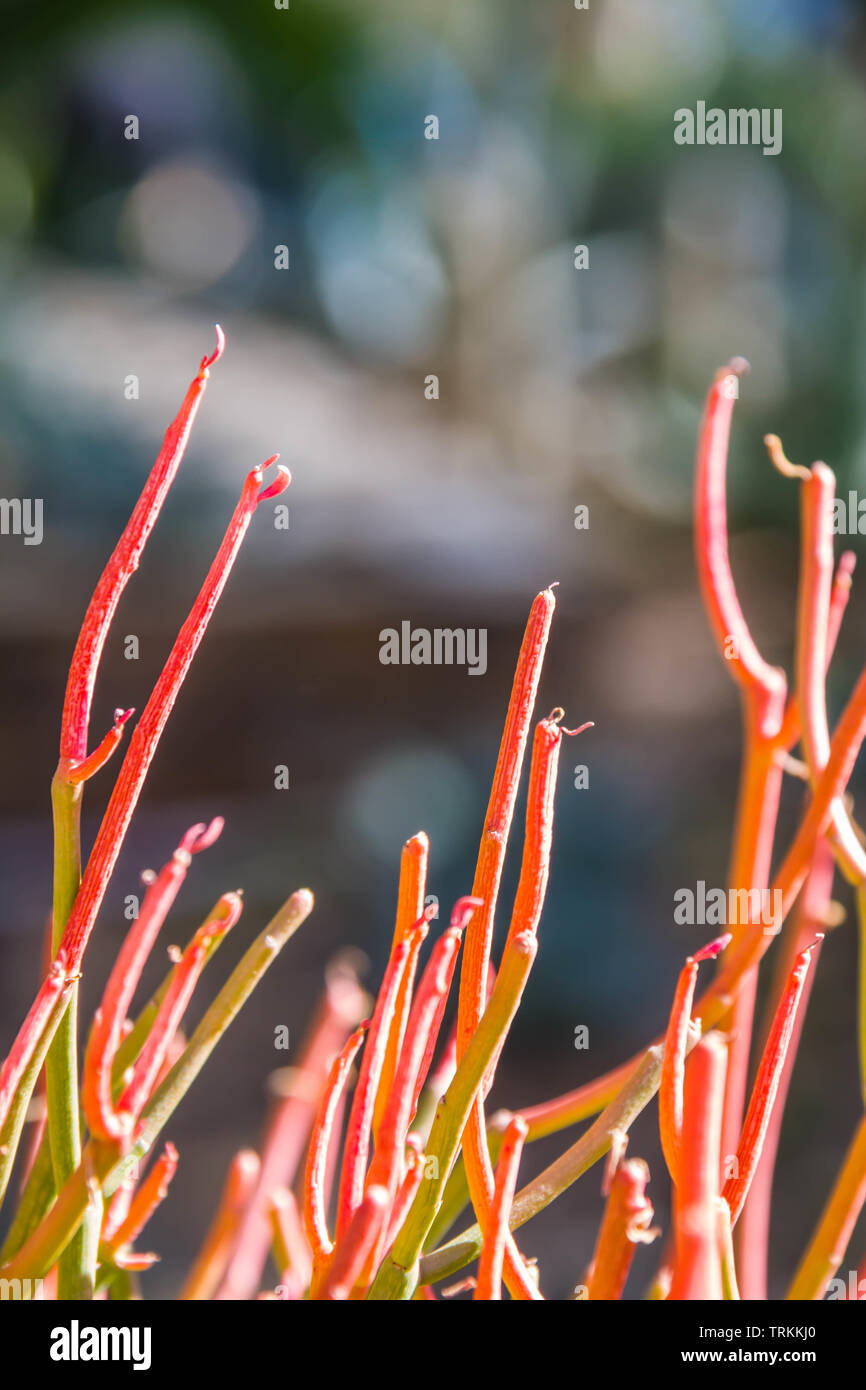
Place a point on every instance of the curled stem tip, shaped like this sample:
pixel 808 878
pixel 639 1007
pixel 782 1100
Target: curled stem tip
pixel 280 483
pixel 201 836
pixel 208 361
pixel 581 729
pixel 781 462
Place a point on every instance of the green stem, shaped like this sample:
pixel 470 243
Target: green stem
pixel 75 1276
pixel 455 1198
pixel 589 1148
pixel 101 1162
pixel 398 1274
pixel 10 1134
pixel 228 1003
pixel 123 1287
pixel 35 1203
pixel 833 1234
pixel 39 1189
pixel 130 1047
pixel 730 1288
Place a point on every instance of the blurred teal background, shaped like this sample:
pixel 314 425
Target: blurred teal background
pixel 558 387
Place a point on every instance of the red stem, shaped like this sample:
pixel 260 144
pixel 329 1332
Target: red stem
pixel 427 1009
pixel 355 1245
pixel 526 914
pixel 289 1128
pixel 122 565
pixel 697 1271
pixel 674 1059
pixel 103 1120
pixel 82 772
pixel 753 1230
pixel 766 1087
pixel 146 1200
pixel 147 733
pixel 500 812
pixel 56 981
pixel 152 1058
pixel 626 1223
pixel 315 1220
pixel 489 1286
pixel 237 1193
pixel 358 1134
pixel 410 906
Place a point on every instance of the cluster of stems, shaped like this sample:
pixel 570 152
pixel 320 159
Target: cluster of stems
pixel 378 1139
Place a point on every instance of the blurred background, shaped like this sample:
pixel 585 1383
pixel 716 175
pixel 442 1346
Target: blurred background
pixel 409 257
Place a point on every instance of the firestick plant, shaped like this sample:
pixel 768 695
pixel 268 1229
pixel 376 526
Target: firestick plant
pixel 381 1140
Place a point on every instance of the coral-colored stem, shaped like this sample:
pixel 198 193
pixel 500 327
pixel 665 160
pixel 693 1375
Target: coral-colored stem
pixel 763 690
pixel 83 771
pixel 96 1098
pixel 289 1127
pixel 151 1060
pixel 489 1285
pixel 841 592
pixel 500 812
pixel 100 1167
pixel 697 1270
pixel 357 1145
pixel 460 917
pixel 356 1243
pixel 147 733
pixel 212 1258
pixel 731 631
pixel 398 1272
pixel 525 917
pixel 386 1169
pixel 813 621
pixel 674 1062
pixel 315 1221
pixel 410 905
pixel 55 983
pixel 412 1180
pixel 755 939
pixel 830 1241
pixel 427 1009
pixel 146 1200
pixel 627 1222
pixel 754 832
pixel 122 565
pixel 765 1089
pixel 615 1120
pixel 753 1228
